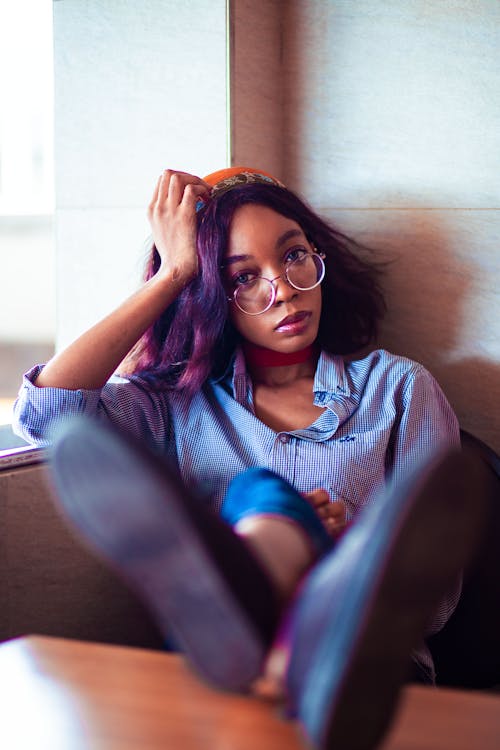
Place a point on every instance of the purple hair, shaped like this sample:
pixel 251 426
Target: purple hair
pixel 194 339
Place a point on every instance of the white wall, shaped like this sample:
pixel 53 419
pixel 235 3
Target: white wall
pixel 139 87
pixel 27 289
pixel 26 167
pixel 392 129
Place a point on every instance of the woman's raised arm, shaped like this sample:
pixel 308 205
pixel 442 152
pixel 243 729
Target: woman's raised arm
pixel 93 357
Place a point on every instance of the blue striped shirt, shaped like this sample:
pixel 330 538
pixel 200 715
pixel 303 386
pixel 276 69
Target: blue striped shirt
pixel 382 415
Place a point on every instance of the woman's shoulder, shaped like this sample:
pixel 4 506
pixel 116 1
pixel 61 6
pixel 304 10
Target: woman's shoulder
pixel 382 359
pixel 386 367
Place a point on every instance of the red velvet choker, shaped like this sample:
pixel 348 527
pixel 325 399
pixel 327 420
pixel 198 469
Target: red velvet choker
pixel 259 356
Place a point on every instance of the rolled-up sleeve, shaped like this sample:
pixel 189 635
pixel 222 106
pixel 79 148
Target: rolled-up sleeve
pixel 124 402
pixel 427 425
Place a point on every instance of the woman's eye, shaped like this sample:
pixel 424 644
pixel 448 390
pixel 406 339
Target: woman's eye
pixel 242 278
pixel 294 253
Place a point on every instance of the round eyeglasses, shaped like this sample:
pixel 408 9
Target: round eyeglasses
pixel 257 295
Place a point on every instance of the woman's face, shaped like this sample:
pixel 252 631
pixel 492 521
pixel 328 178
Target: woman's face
pixel 261 243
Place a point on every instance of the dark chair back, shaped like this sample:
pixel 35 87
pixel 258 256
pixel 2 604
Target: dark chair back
pixel 467 650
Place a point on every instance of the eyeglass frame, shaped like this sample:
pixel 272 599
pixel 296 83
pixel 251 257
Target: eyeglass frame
pixel 283 276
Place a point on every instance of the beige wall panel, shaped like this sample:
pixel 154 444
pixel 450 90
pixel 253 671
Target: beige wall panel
pixel 257 85
pixel 392 108
pixel 51 583
pixel 441 286
pixel 394 102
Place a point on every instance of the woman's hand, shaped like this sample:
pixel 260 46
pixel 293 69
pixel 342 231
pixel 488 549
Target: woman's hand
pixel 172 215
pixel 333 515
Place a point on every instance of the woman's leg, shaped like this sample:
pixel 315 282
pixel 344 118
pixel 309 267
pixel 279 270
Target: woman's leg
pixel 204 583
pixel 356 615
pixel 281 546
pixel 279 525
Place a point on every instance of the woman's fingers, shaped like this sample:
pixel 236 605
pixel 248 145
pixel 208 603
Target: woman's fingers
pixel 172 216
pixel 192 194
pixel 154 199
pixel 317 498
pixel 336 512
pixel 333 515
pixel 175 186
pixel 171 186
pixel 334 519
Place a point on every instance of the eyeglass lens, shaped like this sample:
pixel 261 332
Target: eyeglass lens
pixel 257 295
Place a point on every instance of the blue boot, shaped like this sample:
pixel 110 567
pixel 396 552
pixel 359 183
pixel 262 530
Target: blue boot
pixel 365 606
pixel 197 577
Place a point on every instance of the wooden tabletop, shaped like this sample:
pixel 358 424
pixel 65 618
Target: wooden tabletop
pixel 58 694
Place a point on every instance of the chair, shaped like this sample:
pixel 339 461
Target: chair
pixel 466 651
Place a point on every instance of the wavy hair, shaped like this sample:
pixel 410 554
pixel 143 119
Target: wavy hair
pixel 194 339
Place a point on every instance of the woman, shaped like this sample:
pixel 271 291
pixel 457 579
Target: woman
pixel 195 395
pixel 239 351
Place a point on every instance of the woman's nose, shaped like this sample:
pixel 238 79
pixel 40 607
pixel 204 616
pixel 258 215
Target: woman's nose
pixel 284 291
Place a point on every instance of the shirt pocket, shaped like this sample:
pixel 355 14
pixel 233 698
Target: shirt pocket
pixel 359 467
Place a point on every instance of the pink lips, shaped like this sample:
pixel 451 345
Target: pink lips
pixel 293 323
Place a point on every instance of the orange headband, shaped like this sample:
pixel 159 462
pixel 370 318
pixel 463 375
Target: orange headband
pixel 225 179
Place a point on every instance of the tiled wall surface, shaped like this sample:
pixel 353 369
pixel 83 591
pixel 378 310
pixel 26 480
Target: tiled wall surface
pixel 27 305
pixel 27 309
pixel 139 87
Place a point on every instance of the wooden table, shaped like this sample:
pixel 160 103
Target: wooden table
pixel 57 694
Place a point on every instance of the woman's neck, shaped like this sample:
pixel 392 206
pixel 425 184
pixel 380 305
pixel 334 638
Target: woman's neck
pixel 273 368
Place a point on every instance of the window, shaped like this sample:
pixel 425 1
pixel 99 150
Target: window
pixel 27 320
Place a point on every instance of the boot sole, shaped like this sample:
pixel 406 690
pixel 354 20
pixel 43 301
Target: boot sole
pixel 353 681
pixel 135 514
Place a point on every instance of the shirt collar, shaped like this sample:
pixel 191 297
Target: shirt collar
pixel 241 382
pixel 330 379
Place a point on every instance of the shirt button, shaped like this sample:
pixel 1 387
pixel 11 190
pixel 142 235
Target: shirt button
pixel 284 438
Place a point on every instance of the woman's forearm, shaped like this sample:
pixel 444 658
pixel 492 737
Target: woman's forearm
pixel 93 357
pixel 90 360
